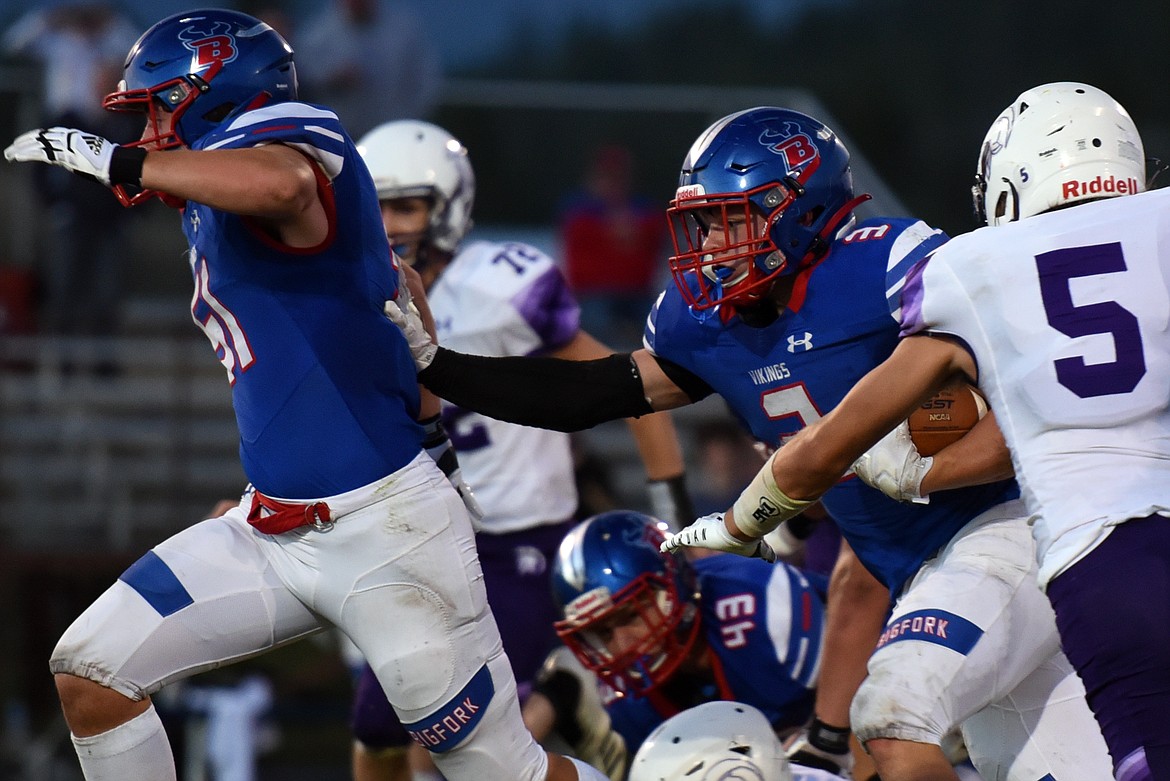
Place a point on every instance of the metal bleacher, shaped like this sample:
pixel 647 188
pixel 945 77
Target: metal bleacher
pixel 112 444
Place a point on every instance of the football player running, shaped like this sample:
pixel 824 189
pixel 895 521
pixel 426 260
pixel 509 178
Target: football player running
pixel 781 303
pixel 491 298
pixel 1058 310
pixel 350 522
pixel 663 634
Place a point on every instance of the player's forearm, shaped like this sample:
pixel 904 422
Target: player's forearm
pixel 269 182
pixel 542 392
pixel 980 456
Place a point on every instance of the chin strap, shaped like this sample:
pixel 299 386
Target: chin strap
pixel 820 243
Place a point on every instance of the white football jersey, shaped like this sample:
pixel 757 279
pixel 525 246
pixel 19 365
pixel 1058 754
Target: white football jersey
pixel 498 300
pixel 1066 314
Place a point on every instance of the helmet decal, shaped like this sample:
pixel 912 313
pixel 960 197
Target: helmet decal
pixel 798 150
pixel 211 45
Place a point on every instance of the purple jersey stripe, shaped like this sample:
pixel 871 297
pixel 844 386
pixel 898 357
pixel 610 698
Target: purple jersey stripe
pixel 550 310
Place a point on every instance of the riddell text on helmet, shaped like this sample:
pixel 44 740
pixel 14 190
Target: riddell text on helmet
pixel 1108 185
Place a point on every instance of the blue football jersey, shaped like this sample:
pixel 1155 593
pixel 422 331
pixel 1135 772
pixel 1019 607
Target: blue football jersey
pixel 323 385
pixel 842 321
pixel 764 625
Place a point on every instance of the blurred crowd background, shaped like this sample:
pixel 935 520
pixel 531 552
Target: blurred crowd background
pixel 115 422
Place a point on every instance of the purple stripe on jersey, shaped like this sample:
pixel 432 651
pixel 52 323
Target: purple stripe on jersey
pixel 912 300
pixel 157 584
pixel 910 260
pixel 447 727
pixel 550 310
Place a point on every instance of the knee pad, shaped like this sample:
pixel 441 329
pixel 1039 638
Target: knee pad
pixel 884 707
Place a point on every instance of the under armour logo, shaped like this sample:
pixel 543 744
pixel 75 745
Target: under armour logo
pixel 805 344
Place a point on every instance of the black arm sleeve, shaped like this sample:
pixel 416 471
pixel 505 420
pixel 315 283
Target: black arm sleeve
pixel 693 385
pixel 551 393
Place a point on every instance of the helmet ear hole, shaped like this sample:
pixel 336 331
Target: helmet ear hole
pixel 1001 205
pixel 811 216
pixel 219 113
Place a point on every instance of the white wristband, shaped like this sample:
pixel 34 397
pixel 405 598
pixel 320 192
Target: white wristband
pixel 763 506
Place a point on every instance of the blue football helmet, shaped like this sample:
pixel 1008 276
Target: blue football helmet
pixel 192 71
pixel 609 572
pixel 760 195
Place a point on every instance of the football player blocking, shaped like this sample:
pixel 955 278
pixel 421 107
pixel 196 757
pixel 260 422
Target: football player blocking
pixel 1058 311
pixel 350 523
pixel 766 248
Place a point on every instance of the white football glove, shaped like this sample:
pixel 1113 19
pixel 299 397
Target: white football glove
pixel 468 496
pixel 894 466
pixel 801 751
pixel 710 532
pixel 74 150
pixel 409 320
pixel 597 742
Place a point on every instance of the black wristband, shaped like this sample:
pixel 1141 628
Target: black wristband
pixel 834 740
pixel 433 431
pixel 126 165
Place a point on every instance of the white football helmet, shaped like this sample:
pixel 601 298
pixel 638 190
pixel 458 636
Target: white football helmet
pixel 1055 145
pixel 409 158
pixel 715 741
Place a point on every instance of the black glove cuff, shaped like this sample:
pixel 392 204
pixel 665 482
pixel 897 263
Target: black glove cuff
pixel 433 431
pixel 834 740
pixel 126 165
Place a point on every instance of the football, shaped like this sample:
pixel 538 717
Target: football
pixel 945 418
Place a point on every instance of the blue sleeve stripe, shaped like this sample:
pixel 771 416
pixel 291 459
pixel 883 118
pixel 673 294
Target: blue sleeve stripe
pixel 157 584
pixel 448 726
pixel 933 626
pixel 896 274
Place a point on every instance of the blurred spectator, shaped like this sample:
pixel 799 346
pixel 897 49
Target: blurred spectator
pixel 727 462
pixel 591 473
pixel 371 60
pixel 276 13
pixel 80 44
pixel 613 244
